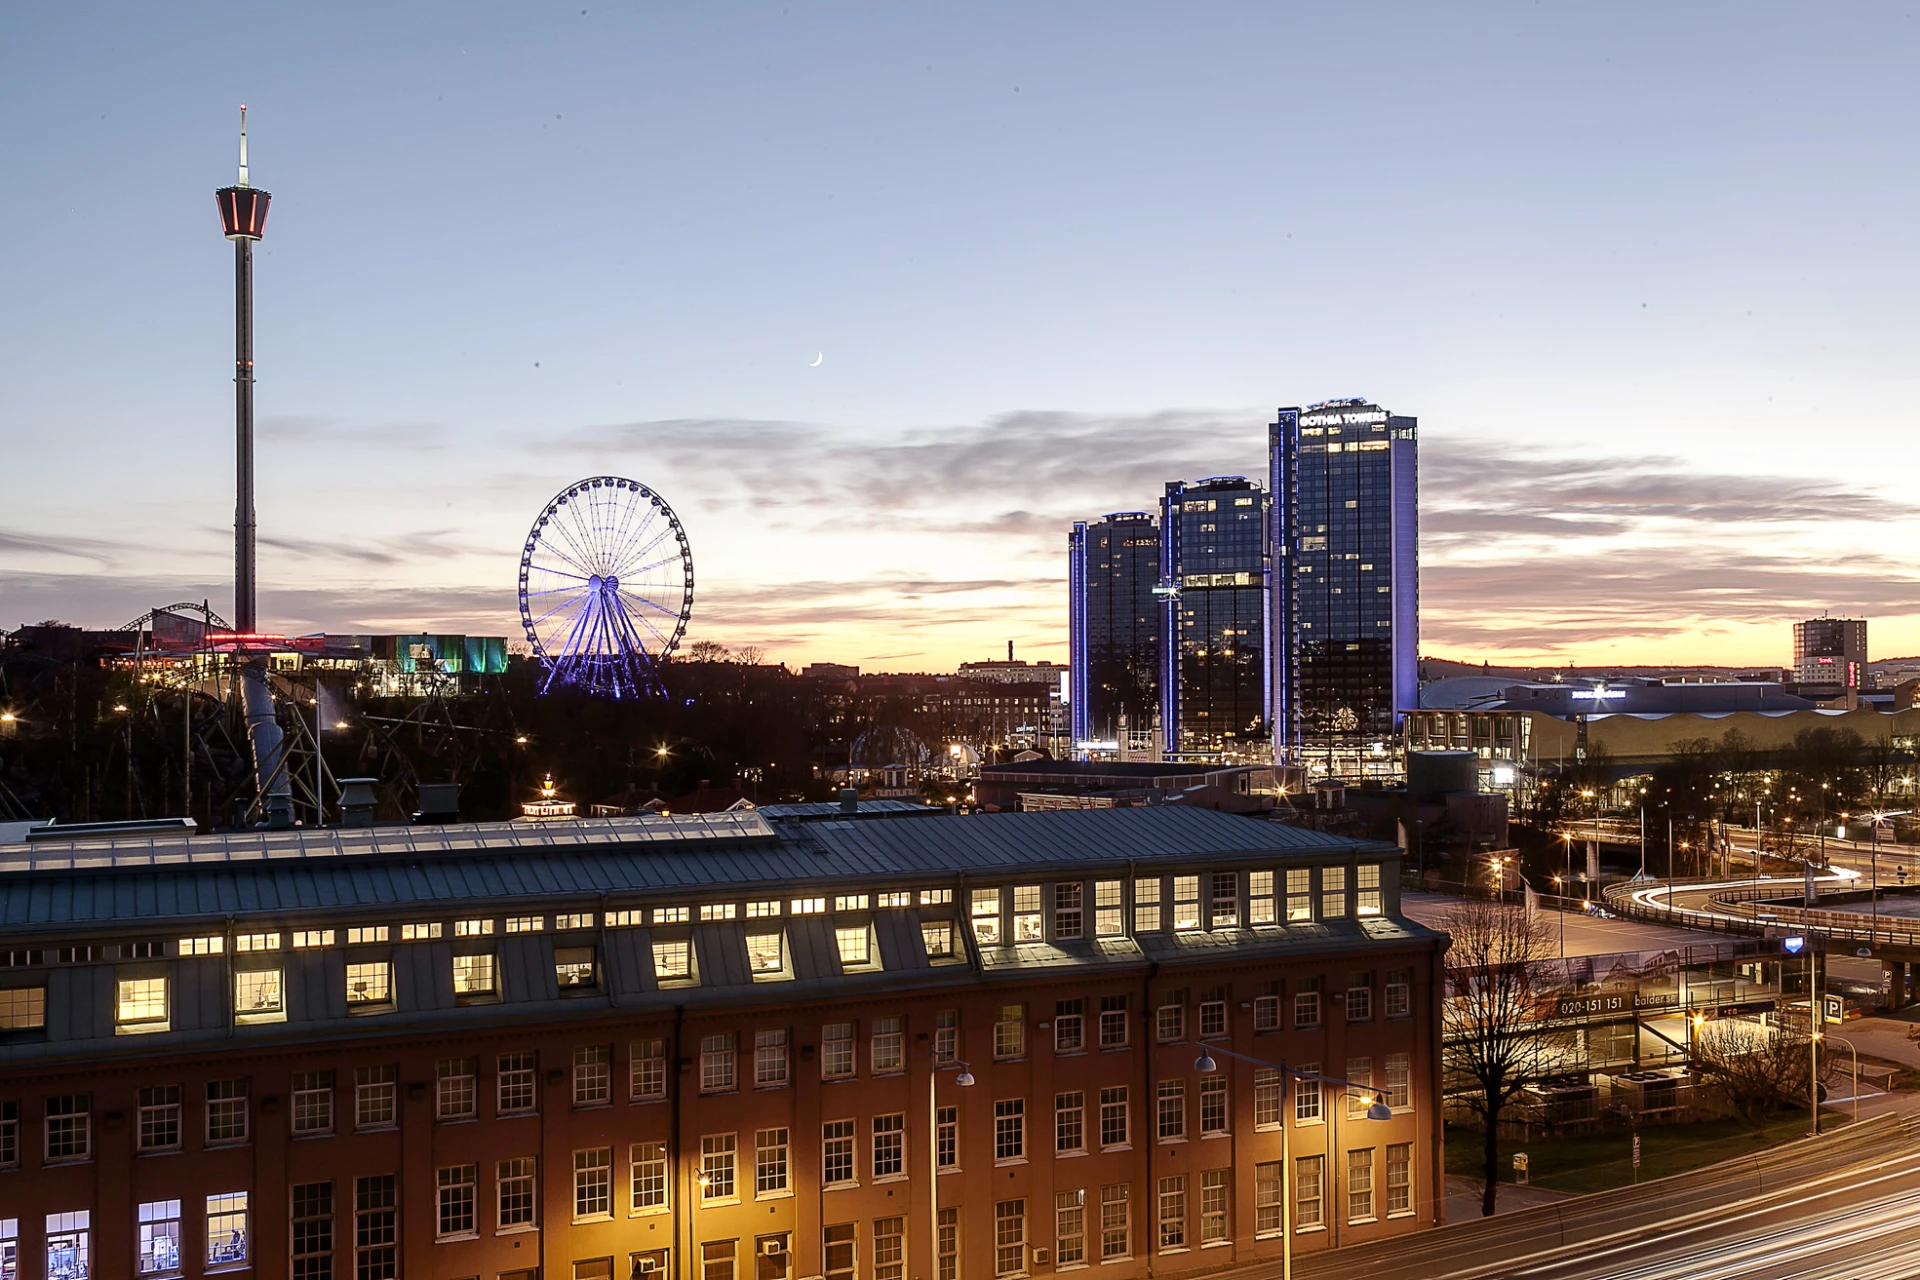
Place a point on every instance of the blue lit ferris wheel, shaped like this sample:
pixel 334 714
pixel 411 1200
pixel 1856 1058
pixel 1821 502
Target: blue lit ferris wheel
pixel 606 588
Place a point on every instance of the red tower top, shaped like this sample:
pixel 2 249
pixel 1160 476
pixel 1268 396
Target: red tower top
pixel 243 209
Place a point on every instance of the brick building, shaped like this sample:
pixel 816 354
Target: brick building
pixel 712 1046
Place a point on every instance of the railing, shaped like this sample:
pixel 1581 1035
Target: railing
pixel 1756 908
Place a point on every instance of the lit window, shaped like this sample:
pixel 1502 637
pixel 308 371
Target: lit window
pixel 850 902
pixel 473 975
pixel 576 920
pixel 369 984
pixel 208 946
pixel 573 967
pixel 526 924
pixel 141 1003
pixel 672 960
pixel 1107 919
pixel 159 1241
pixel 1009 1031
pixel 1026 914
pixel 936 897
pixel 625 919
pixel 1299 895
pixel 227 1229
pixel 256 992
pixel 1260 909
pixel 899 898
pixel 937 935
pixel 766 952
pixel 761 910
pixel 23 1008
pixel 70 1245
pixel 718 910
pixel 473 928
pixel 807 906
pixel 670 915
pixel 256 942
pixel 855 944
pixel 1366 883
pixel 1226 899
pixel 420 932
pixel 1186 902
pixel 1146 906
pixel 1068 916
pixel 1333 893
pixel 986 917
pixel 304 938
pixel 374 933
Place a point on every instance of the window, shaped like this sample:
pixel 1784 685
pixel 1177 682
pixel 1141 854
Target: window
pixel 1226 899
pixel 369 985
pixel 593 1183
pixel 1366 889
pixel 312 1103
pixel 762 910
pixel 226 1112
pixel 769 1161
pixel 370 933
pixel 304 938
pixel 514 1088
pixel 1114 1227
pixel 672 960
pixel 420 932
pixel 936 897
pixel 1113 1022
pixel 70 1245
pixel 1213 1207
pixel 23 1008
pixel 158 1123
pixel 312 1242
pixel 1260 898
pixel 889 1248
pixel 256 993
pixel 1308 1192
pixel 1173 1212
pixel 1213 1106
pixel 1333 893
pixel 1170 1019
pixel 1186 903
pixel 1268 1094
pixel 717 1063
pixel 1360 1185
pixel 836 1153
pixel 515 1181
pixel 1306 1005
pixel 1266 1012
pixel 70 1127
pixel 1360 998
pixel 766 952
pixel 717 1258
pixel 770 1059
pixel 1399 1179
pixel 1400 1081
pixel 209 946
pixel 1068 916
pixel 9 1248
pixel 1069 1122
pixel 647 1070
pixel 455 1093
pixel 986 917
pixel 141 1004
pixel 531 924
pixel 1069 1022
pixel 947 1245
pixel 946 1035
pixel 649 1167
pixel 851 902
pixel 373 1097
pixel 1113 1117
pixel 889 1146
pixel 1299 895
pixel 1010 1238
pixel 946 1138
pixel 1171 1110
pixel 1397 999
pixel 1026 914
pixel 1146 906
pixel 9 1136
pixel 838 1241
pixel 1069 1227
pixel 806 906
pixel 1306 1097
pixel 1213 1013
pixel 1108 921
pixel 1010 1129
pixel 937 937
pixel 836 1051
pixel 1360 1073
pixel 473 974
pixel 159 1222
pixel 376 1228
pixel 593 1075
pixel 717 1151
pixel 573 968
pixel 888 1047
pixel 1009 1031
pixel 473 928
pixel 664 915
pixel 456 1187
pixel 1269 1199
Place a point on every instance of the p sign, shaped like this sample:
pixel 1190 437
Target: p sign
pixel 1794 945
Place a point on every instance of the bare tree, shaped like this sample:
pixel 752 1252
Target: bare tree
pixel 1758 1068
pixel 1496 1041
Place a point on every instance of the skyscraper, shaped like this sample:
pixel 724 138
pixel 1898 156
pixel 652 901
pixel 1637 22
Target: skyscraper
pixel 1830 651
pixel 1114 625
pixel 1213 584
pixel 1346 585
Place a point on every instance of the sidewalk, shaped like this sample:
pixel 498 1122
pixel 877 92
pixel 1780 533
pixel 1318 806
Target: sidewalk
pixel 1463 1198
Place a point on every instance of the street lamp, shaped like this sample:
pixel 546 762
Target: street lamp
pixel 937 1060
pixel 1559 892
pixel 1376 1110
pixel 1819 1035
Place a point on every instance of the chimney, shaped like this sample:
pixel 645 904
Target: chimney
pixel 1009 651
pixel 849 800
pixel 356 802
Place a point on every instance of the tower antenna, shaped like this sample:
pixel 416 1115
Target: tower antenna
pixel 243 145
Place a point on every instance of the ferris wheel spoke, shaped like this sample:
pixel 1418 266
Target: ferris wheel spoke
pixel 558 573
pixel 564 605
pixel 658 608
pixel 632 635
pixel 635 570
pixel 580 537
pixel 553 547
pixel 638 544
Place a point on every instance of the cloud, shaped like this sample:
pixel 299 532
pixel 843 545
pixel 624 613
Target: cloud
pixel 99 552
pixel 392 550
pixel 302 428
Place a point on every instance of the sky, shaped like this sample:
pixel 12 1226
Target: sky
pixel 1644 273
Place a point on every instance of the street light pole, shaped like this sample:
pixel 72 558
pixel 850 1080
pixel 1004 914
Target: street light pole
pixel 936 1060
pixel 1376 1110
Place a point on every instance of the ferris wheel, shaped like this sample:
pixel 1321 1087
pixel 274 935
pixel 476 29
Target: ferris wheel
pixel 606 588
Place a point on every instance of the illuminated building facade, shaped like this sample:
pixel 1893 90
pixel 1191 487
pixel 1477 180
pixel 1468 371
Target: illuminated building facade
pixel 1114 628
pixel 715 1046
pixel 1213 585
pixel 1830 651
pixel 1346 584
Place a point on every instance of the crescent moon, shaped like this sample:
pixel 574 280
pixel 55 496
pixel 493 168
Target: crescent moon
pixel 818 360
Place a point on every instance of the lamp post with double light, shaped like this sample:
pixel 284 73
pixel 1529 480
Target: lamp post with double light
pixel 1376 1110
pixel 936 1061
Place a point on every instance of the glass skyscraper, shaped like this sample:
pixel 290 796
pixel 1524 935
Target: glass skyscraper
pixel 1346 584
pixel 1114 626
pixel 1213 584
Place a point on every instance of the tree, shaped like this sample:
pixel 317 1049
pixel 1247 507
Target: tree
pixel 1759 1068
pixel 1495 1037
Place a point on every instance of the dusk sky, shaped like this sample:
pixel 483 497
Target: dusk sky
pixel 1645 274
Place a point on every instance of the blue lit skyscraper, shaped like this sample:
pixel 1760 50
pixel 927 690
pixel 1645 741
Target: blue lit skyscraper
pixel 1213 584
pixel 1346 584
pixel 1114 627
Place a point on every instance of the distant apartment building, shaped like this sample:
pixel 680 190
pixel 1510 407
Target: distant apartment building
pixel 1345 599
pixel 1213 583
pixel 1113 621
pixel 1830 651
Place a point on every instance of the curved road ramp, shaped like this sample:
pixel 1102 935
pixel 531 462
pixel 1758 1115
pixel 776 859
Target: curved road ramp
pixel 1843 1206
